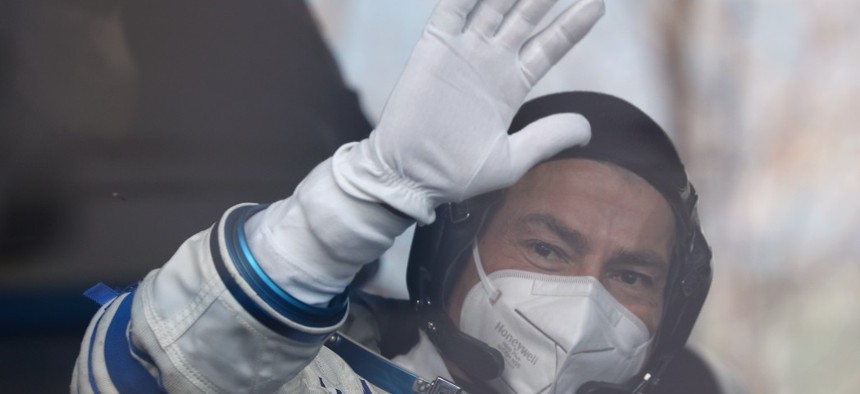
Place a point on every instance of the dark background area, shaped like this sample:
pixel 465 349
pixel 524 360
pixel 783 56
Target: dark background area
pixel 128 126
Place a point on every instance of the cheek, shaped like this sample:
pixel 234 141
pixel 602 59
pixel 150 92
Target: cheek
pixel 498 252
pixel 467 280
pixel 650 314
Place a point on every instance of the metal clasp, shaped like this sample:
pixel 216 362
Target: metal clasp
pixel 438 386
pixel 458 212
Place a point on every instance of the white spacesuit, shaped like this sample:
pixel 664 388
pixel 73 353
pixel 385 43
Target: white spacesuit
pixel 247 305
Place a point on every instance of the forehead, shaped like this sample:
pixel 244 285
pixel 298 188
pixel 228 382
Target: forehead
pixel 594 197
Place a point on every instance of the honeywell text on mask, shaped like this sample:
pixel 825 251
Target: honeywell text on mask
pixel 513 349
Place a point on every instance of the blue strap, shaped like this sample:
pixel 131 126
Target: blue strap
pixel 365 387
pixel 101 293
pixel 91 376
pixel 374 368
pixel 126 372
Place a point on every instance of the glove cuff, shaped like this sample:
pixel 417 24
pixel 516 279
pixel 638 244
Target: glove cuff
pixel 313 243
pixel 359 172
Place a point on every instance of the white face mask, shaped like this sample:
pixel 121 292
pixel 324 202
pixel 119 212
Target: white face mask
pixel 566 330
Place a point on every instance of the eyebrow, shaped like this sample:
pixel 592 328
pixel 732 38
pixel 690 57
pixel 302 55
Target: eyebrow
pixel 570 236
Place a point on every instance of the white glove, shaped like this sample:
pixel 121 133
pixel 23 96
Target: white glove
pixel 443 134
pixel 443 137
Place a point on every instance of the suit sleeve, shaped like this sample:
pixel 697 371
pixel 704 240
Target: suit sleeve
pixel 207 322
pixel 245 305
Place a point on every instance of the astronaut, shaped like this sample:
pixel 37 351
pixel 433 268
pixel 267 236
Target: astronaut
pixel 564 256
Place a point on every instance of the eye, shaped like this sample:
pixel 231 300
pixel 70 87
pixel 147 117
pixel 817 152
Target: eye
pixel 545 255
pixel 629 277
pixel 542 249
pixel 633 278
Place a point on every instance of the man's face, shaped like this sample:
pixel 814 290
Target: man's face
pixel 581 217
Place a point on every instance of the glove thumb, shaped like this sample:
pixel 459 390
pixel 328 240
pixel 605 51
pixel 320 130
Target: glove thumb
pixel 546 137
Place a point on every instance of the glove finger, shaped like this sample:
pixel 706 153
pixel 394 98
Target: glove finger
pixel 545 137
pixel 449 16
pixel 488 15
pixel 520 22
pixel 546 48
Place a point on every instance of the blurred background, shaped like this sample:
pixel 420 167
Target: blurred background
pixel 127 126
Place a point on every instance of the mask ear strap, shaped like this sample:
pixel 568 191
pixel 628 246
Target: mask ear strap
pixel 492 292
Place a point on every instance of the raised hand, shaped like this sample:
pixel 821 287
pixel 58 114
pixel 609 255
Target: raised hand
pixel 443 134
